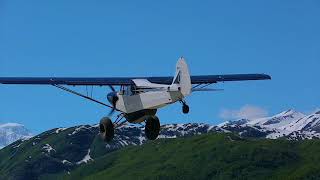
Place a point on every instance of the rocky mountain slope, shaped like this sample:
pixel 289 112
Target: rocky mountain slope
pixel 63 149
pixel 10 132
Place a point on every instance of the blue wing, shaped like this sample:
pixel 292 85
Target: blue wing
pixel 105 81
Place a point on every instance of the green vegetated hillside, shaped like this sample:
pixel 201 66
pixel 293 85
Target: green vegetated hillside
pixel 209 156
pixel 212 156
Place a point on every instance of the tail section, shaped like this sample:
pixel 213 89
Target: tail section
pixel 182 77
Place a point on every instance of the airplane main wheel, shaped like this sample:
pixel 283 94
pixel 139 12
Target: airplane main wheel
pixel 152 127
pixel 106 129
pixel 185 109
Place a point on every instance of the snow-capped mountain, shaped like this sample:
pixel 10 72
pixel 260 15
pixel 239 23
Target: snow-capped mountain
pixel 279 121
pixel 289 124
pixel 11 132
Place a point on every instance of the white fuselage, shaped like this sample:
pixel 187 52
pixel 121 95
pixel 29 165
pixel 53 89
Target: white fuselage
pixel 147 100
pixel 144 96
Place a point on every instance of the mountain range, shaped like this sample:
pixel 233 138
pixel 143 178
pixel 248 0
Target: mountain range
pixel 62 150
pixel 290 124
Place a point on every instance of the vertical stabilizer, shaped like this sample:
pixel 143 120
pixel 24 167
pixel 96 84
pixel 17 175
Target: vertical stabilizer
pixel 182 77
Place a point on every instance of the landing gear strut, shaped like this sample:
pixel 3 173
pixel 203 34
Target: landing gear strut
pixel 152 127
pixel 106 129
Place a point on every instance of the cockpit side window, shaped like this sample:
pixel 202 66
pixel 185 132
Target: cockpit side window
pixel 130 90
pixel 177 80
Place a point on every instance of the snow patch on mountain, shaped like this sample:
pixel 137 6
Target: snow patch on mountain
pixel 81 128
pixel 48 148
pixel 60 130
pixel 66 162
pixel 234 123
pixel 86 159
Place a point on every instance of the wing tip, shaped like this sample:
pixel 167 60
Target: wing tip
pixel 267 77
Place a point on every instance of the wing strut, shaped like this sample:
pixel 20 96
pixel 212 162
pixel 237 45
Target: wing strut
pixel 81 95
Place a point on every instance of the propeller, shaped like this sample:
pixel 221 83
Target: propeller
pixel 112 98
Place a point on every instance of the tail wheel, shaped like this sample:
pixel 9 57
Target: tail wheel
pixel 106 129
pixel 152 127
pixel 185 109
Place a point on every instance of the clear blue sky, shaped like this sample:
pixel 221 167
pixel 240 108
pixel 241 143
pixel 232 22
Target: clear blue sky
pixel 145 38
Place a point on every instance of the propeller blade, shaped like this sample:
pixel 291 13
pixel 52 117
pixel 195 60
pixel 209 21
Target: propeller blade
pixel 113 106
pixel 112 88
pixel 114 98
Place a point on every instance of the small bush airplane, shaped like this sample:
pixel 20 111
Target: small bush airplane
pixel 139 98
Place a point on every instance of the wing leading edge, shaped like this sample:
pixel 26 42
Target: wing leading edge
pixel 117 81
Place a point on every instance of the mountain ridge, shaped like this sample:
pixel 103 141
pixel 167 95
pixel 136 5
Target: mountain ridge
pixel 288 124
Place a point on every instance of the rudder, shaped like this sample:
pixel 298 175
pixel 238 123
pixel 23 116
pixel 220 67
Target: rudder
pixel 182 77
